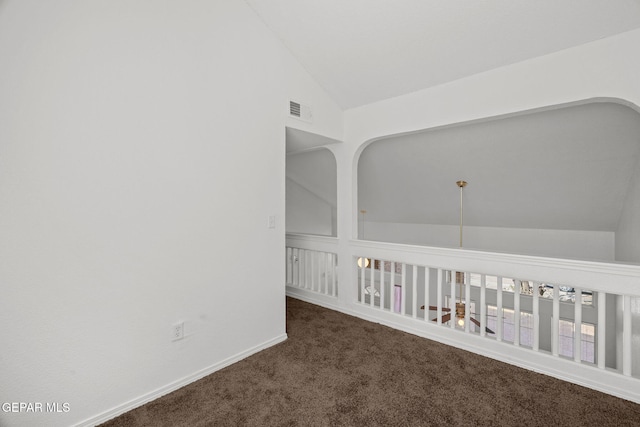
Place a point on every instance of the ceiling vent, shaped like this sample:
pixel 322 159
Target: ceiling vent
pixel 300 112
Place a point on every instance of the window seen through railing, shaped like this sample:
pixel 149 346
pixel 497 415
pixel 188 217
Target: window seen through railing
pixel 508 325
pixel 567 294
pixel 587 340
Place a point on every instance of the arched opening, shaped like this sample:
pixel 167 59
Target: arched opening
pixel 311 186
pixel 559 182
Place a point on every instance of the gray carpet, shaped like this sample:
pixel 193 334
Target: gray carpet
pixel 337 370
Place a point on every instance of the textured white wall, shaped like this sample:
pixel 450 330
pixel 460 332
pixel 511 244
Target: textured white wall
pixel 605 68
pixel 627 242
pixel 306 212
pixel 311 192
pixel 142 151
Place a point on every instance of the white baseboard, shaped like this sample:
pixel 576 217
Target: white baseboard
pixel 313 298
pixel 132 404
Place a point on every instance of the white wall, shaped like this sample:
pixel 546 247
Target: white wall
pixel 142 151
pixel 627 242
pixel 586 245
pixel 306 212
pixel 311 192
pixel 628 250
pixel 604 69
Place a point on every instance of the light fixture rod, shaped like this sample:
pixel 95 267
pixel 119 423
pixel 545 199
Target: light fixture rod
pixel 461 184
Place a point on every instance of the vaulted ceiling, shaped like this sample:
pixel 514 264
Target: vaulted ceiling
pixel 566 168
pixel 362 51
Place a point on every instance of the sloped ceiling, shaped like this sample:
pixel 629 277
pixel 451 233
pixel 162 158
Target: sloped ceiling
pixel 362 51
pixel 567 168
pixel 315 171
pixel 298 140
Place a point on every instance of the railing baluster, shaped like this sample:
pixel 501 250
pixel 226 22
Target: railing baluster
pixel 327 272
pixel 313 272
pixel 516 311
pixel 294 267
pixel 301 270
pixel 499 309
pixel 427 286
pixel 577 325
pixel 414 295
pixel 439 300
pixel 403 303
pixel 362 284
pixel 327 275
pixel 289 264
pixel 306 280
pixel 452 302
pixel 392 288
pixel 300 267
pixel 320 270
pixel 309 267
pixel 601 336
pixel 372 283
pixel 334 277
pixel 467 302
pixel 536 316
pixel 382 293
pixel 555 321
pixel 324 275
pixel 626 335
pixel 483 305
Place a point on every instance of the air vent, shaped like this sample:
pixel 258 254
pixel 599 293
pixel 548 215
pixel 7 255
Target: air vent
pixel 294 109
pixel 300 112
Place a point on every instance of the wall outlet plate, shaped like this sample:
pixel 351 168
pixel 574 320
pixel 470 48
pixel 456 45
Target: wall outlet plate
pixel 177 331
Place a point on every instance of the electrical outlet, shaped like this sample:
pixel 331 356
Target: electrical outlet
pixel 178 331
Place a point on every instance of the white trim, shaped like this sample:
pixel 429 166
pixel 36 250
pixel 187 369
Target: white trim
pixel 326 301
pixel 622 279
pixel 139 401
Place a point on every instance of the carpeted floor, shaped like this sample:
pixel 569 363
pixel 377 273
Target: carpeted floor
pixel 337 370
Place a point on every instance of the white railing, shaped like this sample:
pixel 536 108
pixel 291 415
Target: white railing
pixel 312 264
pixel 519 309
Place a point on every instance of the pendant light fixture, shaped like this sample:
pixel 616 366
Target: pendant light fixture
pixel 460 306
pixel 459 278
pixel 461 184
pixel 363 261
